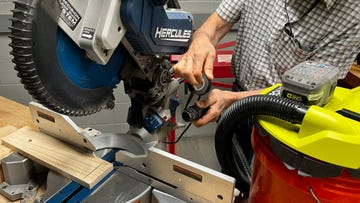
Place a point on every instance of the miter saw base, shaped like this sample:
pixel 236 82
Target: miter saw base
pixel 141 170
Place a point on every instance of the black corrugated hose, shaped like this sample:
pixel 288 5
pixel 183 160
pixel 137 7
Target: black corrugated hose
pixel 229 153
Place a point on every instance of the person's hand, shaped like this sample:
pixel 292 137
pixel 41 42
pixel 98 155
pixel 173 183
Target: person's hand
pixel 201 54
pixel 217 101
pixel 198 59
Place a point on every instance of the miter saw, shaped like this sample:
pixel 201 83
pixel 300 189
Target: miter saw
pixel 71 54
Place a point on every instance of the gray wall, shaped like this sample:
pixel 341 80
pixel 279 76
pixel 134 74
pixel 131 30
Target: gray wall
pixel 106 120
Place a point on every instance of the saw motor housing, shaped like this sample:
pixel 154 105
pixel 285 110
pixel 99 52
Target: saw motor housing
pixel 98 28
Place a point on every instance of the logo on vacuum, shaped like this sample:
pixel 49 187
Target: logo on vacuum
pixel 171 34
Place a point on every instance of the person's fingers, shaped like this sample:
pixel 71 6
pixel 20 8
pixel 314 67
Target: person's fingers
pixel 180 67
pixel 189 70
pixel 208 66
pixel 192 65
pixel 212 98
pixel 211 116
pixel 184 68
pixel 198 67
pixel 213 112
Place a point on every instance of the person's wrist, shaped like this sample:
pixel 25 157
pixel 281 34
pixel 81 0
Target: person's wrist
pixel 201 34
pixel 231 97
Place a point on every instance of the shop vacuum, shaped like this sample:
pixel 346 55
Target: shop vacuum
pixel 305 137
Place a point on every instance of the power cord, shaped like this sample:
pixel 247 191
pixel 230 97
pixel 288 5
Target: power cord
pixel 188 125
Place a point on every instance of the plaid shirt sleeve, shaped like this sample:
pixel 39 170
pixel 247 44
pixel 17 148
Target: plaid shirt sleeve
pixel 230 10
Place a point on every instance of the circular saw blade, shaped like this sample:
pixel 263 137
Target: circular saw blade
pixel 53 69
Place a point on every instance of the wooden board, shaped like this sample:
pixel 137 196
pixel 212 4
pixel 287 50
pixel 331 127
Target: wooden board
pixel 4 131
pixel 82 167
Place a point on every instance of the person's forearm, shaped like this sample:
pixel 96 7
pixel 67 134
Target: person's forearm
pixel 214 28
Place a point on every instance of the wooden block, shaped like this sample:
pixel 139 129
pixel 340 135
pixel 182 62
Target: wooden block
pixel 4 131
pixel 82 167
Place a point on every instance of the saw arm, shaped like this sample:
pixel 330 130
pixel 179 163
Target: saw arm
pixel 71 54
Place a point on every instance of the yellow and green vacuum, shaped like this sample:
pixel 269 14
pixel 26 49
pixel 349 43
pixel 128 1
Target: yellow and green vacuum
pixel 302 152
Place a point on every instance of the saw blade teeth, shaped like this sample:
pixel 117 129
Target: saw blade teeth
pixel 21 50
pixel 21 14
pixel 41 94
pixel 23 21
pixel 24 34
pixel 20 42
pixel 20 24
pixel 23 55
pixel 20 38
pixel 20 47
pixel 23 65
pixel 14 29
pixel 31 83
pixel 21 69
pixel 28 76
pixel 34 90
pixel 24 5
pixel 20 59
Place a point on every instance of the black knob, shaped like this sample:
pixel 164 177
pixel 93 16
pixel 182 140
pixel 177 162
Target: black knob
pixel 193 113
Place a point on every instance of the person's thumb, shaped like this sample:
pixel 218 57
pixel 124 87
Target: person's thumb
pixel 201 104
pixel 208 70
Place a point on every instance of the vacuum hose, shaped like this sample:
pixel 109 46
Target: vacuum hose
pixel 231 158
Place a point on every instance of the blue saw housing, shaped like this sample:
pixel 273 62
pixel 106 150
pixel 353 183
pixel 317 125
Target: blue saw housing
pixel 153 30
pixel 84 72
pixel 168 32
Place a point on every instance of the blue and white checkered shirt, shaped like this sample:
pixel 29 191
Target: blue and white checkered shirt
pixel 328 33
